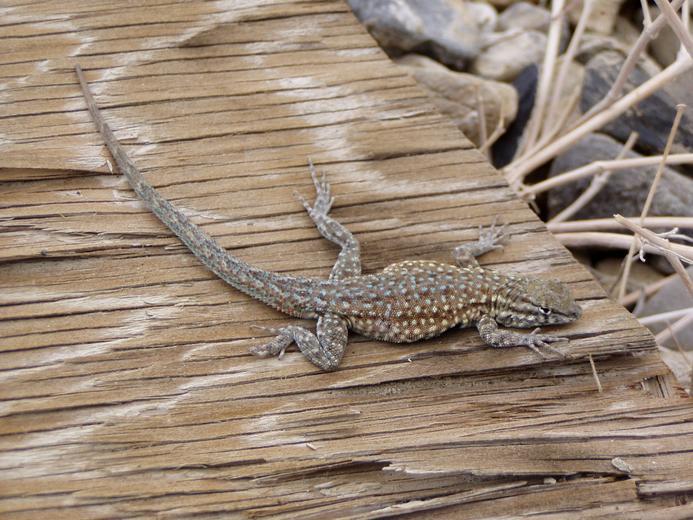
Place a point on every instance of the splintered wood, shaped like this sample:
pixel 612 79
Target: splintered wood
pixel 127 386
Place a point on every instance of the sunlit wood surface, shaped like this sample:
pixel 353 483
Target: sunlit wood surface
pixel 126 385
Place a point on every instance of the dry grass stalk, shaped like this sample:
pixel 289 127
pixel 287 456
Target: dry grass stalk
pixel 608 109
pixel 647 291
pixel 673 252
pixel 516 173
pixel 617 241
pixel 596 185
pixel 560 124
pixel 647 17
pixel 602 166
pixel 606 224
pixel 671 330
pixel 594 373
pixel 658 241
pixel 680 108
pixel 666 316
pixel 495 135
pixel 650 196
pixel 676 25
pixel 650 31
pixel 551 126
pixel 547 72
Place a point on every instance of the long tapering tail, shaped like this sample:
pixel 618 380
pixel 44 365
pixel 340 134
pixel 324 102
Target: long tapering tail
pixel 292 295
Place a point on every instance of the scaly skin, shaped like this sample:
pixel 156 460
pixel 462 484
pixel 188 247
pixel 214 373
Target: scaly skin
pixel 406 302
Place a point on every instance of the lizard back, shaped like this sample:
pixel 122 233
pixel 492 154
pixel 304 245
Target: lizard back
pixel 412 300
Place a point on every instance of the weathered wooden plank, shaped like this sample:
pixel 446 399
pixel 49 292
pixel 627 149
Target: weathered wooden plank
pixel 127 388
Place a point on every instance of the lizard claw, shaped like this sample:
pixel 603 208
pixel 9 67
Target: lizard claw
pixel 304 202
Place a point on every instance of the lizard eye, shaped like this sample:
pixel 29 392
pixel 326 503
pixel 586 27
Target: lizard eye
pixel 545 311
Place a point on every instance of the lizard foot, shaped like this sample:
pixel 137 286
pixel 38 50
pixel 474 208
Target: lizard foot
pixel 534 340
pixel 323 198
pixel 493 237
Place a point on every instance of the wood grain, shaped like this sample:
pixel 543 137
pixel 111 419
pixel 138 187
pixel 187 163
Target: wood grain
pixel 127 387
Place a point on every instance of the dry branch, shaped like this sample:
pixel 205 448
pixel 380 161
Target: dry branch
pixel 516 173
pixel 614 241
pixel 648 201
pixel 648 290
pixel 673 252
pixel 536 122
pixel 553 124
pixel 604 224
pixel 602 166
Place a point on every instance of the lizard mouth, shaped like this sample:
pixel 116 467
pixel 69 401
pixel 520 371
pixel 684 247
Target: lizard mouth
pixel 572 314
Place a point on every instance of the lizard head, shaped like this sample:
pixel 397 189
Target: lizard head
pixel 535 302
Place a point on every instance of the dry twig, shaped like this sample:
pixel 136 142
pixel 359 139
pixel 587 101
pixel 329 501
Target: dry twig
pixel 495 135
pixel 547 70
pixel 481 113
pixel 666 316
pixel 671 330
pixel 650 196
pixel 617 241
pixel 596 376
pixel 516 173
pixel 651 31
pixel 648 290
pixel 605 224
pixel 602 166
pixel 676 25
pixel 557 88
pixel 651 241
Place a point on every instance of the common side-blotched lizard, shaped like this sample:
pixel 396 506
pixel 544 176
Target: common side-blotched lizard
pixel 406 302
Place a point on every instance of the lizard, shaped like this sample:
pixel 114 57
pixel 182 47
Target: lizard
pixel 405 302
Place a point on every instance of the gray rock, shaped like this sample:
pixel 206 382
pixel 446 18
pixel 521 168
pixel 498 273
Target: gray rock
pixel 447 30
pixel 501 3
pixel 601 19
pixel 592 45
pixel 524 15
pixel 651 118
pixel 673 296
pixel 626 191
pixel 507 57
pixel 665 45
pixel 455 94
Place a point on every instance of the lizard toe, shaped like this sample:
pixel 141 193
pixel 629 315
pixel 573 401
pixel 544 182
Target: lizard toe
pixel 275 347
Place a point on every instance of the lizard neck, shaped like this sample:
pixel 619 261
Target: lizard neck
pixel 478 288
pixel 507 293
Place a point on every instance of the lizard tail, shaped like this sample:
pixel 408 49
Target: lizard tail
pixel 287 294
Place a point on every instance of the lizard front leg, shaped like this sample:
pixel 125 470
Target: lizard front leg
pixel 324 350
pixel 495 337
pixel 349 260
pixel 489 239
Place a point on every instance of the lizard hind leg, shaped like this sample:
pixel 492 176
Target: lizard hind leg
pixel 324 350
pixel 349 260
